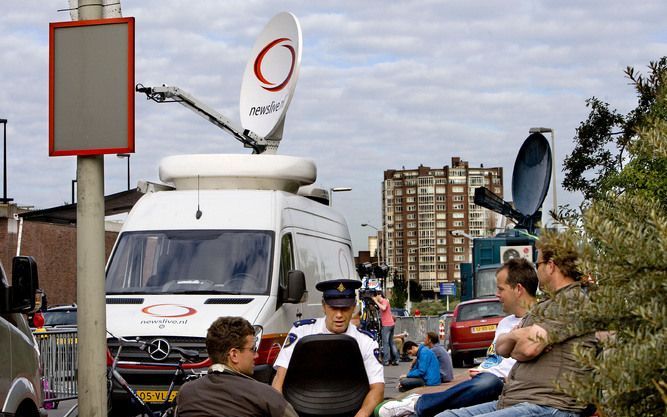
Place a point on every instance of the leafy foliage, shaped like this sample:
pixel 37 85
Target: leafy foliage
pixel 622 241
pixel 601 142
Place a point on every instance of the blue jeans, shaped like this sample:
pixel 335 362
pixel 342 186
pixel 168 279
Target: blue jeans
pixel 390 353
pixel 479 389
pixel 519 410
pixel 407 383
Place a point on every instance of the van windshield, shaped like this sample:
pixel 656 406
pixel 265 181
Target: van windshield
pixel 191 262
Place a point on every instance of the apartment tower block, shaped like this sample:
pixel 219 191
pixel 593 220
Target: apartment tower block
pixel 429 216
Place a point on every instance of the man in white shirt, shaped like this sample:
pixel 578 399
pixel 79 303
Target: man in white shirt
pixel 516 288
pixel 338 302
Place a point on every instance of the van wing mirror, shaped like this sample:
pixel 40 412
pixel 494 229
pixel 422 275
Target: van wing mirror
pixel 24 290
pixel 296 288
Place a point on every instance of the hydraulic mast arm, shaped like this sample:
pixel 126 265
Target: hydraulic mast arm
pixel 166 94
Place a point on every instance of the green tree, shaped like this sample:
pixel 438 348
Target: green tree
pixel 622 239
pixel 601 149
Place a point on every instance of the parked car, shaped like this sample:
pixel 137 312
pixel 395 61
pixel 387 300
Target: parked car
pixel 399 312
pixel 20 373
pixel 55 317
pixel 472 329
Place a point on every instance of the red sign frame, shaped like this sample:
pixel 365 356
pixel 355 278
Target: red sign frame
pixel 129 148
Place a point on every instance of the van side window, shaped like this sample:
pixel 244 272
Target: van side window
pixel 286 258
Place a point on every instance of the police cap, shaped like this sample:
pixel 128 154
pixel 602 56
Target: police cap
pixel 339 292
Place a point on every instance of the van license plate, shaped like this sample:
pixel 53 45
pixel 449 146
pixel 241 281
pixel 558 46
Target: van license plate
pixel 482 329
pixel 156 396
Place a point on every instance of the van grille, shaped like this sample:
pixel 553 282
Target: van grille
pixel 133 353
pixel 125 300
pixel 228 301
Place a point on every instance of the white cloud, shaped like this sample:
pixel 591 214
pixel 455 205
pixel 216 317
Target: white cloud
pixel 382 84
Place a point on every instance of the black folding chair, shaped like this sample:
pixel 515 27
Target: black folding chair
pixel 326 376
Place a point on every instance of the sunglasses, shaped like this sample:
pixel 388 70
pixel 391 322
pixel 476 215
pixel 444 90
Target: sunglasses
pixel 259 330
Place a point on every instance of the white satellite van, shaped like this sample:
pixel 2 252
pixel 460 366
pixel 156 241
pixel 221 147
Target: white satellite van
pixel 233 237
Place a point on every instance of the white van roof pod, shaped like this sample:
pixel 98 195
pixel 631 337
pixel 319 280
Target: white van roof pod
pixel 232 171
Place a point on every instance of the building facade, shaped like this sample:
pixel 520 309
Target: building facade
pixel 429 216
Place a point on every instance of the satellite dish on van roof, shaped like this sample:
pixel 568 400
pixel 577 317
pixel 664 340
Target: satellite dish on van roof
pixel 531 175
pixel 270 77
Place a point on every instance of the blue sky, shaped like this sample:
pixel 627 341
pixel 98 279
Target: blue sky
pixel 382 84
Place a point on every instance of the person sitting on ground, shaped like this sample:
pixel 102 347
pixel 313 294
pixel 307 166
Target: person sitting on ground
pixel 425 369
pixel 228 388
pixel 516 286
pixel 338 302
pixel 446 369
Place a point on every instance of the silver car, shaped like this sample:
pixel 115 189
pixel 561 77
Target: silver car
pixel 20 388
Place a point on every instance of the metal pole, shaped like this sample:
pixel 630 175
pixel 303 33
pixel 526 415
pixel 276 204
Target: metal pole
pixel 128 172
pixel 90 270
pixel 553 167
pixel 73 200
pixel 4 177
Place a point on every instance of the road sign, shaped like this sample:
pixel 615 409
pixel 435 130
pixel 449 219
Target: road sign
pixel 447 288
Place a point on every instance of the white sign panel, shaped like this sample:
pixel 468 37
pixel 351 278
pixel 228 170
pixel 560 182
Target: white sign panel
pixel 270 75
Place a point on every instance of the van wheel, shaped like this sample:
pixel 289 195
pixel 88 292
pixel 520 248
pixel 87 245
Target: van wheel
pixel 27 409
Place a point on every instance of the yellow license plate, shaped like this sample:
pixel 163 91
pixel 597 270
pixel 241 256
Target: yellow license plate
pixel 482 329
pixel 156 396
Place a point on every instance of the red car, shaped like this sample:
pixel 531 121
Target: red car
pixel 472 329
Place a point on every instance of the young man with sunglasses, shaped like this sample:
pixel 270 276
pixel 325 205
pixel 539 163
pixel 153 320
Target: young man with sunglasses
pixel 229 389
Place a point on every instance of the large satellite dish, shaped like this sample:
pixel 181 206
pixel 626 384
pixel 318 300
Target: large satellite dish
pixel 530 183
pixel 531 175
pixel 270 77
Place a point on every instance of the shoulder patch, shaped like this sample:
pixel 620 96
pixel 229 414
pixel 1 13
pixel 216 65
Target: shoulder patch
pixel 289 340
pixel 304 322
pixel 376 353
pixel 367 333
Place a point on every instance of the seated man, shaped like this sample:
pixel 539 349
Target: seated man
pixel 228 388
pixel 516 287
pixel 446 369
pixel 338 302
pixel 424 371
pixel 543 345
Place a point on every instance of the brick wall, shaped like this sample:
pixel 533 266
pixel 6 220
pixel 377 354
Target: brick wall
pixel 54 248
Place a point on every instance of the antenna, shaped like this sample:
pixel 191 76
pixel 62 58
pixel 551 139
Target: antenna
pixel 198 213
pixel 267 88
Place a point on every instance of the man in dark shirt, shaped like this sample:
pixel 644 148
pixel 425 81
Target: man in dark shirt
pixel 228 389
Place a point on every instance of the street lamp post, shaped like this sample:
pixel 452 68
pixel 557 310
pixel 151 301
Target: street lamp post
pixel 126 155
pixel 4 177
pixel 378 253
pixel 553 160
pixel 336 190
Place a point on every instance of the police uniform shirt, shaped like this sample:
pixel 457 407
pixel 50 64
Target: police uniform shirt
pixel 367 346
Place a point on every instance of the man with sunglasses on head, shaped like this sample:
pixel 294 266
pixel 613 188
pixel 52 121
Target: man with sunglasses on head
pixel 338 302
pixel 543 345
pixel 229 389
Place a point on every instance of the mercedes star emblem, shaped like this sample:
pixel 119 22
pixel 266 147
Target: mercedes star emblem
pixel 159 349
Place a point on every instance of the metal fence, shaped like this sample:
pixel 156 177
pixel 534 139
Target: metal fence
pixel 417 327
pixel 59 356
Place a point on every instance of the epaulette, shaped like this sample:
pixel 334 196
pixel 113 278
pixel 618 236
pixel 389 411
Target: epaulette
pixel 367 333
pixel 304 322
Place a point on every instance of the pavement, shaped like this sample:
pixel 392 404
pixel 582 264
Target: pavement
pixel 392 373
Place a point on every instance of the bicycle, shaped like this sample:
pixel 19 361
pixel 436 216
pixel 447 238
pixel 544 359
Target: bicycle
pixel 114 377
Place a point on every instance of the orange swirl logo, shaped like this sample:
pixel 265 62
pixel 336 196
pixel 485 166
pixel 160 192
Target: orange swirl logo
pixel 270 86
pixel 168 310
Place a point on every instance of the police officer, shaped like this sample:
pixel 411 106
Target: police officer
pixel 338 302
